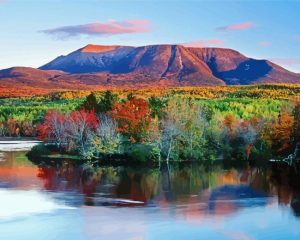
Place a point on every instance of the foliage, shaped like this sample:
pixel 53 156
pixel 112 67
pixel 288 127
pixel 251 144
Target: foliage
pixel 133 117
pixel 296 125
pixel 71 131
pixel 90 103
pixel 281 132
pixel 157 107
pixel 38 150
pixel 54 128
pixel 107 102
pixel 106 139
pixel 80 125
pixel 188 123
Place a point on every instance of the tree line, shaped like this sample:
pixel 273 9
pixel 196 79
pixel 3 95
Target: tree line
pixel 172 128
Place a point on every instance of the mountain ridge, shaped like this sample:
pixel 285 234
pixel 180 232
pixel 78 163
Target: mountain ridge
pixel 165 65
pixel 165 60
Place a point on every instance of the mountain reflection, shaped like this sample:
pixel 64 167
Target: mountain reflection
pixel 196 188
pixel 192 190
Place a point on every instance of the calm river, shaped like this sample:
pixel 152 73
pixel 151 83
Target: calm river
pixel 189 202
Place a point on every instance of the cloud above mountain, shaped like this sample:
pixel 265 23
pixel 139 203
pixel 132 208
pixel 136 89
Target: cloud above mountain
pixel 215 42
pixel 286 61
pixel 236 27
pixel 264 43
pixel 109 28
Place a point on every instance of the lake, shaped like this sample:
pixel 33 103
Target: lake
pixel 186 201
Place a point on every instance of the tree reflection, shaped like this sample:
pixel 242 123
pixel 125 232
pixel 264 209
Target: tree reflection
pixel 286 185
pixel 221 191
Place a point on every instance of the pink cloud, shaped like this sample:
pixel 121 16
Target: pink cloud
pixel 236 27
pixel 111 27
pixel 286 61
pixel 205 43
pixel 264 44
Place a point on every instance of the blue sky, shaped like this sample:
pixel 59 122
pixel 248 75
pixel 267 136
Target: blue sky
pixel 34 32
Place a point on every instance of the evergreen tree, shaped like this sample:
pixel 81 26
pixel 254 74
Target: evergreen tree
pixel 107 102
pixel 157 106
pixel 90 103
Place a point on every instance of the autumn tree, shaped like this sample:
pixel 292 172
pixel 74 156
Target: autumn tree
pixel 28 128
pixel 106 138
pixel 168 140
pixel 182 130
pixel 54 128
pixel 246 131
pixel 229 120
pixel 282 132
pixel 80 125
pixel 230 142
pixel 133 117
pixel 13 127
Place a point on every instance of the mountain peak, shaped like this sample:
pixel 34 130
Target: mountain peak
pixel 91 48
pixel 170 64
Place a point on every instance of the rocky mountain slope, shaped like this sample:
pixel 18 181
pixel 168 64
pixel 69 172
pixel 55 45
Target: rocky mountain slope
pixel 96 66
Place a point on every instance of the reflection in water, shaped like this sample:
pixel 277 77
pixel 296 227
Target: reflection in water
pixel 286 186
pixel 190 194
pixel 164 186
pixel 21 203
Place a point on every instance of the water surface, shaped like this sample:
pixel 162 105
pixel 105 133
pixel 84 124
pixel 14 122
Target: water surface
pixel 64 201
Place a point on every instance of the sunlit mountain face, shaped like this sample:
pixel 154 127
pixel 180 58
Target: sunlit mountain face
pixel 98 67
pixel 206 66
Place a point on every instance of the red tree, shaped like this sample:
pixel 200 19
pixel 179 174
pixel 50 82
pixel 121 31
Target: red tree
pixel 80 125
pixel 133 118
pixel 53 128
pixel 64 129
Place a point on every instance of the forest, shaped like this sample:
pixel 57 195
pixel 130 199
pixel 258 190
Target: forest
pixel 177 124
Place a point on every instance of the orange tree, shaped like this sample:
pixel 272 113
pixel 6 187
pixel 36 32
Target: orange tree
pixel 282 132
pixel 133 117
pixel 229 121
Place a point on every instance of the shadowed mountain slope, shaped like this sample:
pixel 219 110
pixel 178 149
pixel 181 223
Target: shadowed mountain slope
pixel 97 67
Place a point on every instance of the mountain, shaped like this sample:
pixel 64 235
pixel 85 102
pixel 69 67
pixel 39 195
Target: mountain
pixel 173 65
pixel 234 68
pixel 91 58
pixel 28 76
pixel 97 67
pixel 25 81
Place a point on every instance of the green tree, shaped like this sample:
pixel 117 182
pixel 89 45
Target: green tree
pixel 157 106
pixel 107 102
pixel 130 96
pixel 90 103
pixel 296 125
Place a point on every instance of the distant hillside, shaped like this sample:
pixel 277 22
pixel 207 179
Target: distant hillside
pixel 98 67
pixel 177 64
